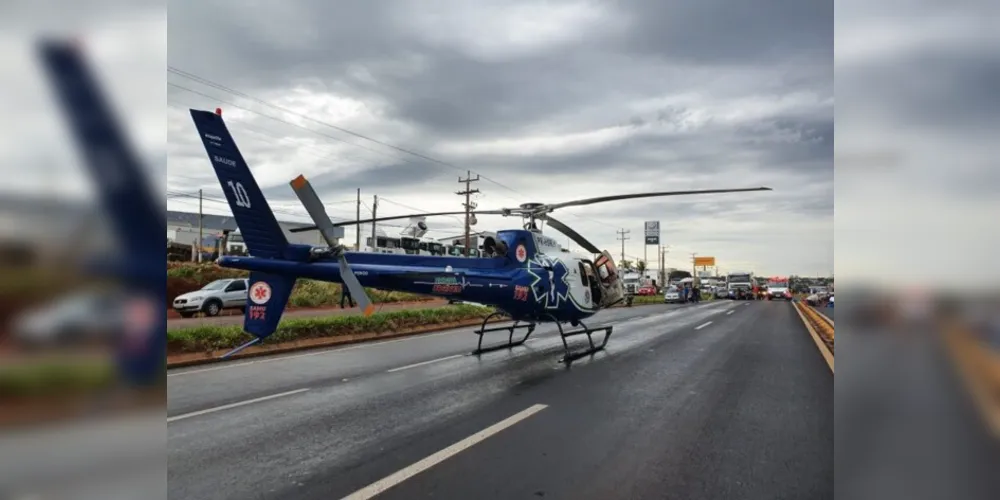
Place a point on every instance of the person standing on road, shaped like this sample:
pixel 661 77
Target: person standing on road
pixel 345 293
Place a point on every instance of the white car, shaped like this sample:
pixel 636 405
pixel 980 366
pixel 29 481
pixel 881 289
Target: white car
pixel 213 298
pixel 671 295
pixel 86 316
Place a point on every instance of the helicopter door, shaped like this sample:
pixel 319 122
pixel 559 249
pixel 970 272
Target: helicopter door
pixel 612 291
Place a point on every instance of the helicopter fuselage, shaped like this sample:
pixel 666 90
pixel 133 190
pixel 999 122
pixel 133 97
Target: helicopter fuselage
pixel 525 282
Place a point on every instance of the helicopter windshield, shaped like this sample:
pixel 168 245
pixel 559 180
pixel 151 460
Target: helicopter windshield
pixel 602 271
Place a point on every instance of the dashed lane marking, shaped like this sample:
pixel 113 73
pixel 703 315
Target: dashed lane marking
pixel 234 405
pixel 398 477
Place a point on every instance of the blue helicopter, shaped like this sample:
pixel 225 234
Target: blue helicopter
pixel 523 274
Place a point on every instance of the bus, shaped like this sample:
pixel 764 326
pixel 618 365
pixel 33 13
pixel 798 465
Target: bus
pixel 405 245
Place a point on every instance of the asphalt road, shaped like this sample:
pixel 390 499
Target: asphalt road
pixel 717 400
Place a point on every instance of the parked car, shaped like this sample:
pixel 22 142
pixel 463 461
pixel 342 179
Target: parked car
pixel 213 298
pixel 89 316
pixel 672 295
pixel 646 290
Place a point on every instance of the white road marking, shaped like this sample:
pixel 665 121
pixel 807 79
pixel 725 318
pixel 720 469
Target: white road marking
pixel 235 405
pixel 422 363
pixel 702 326
pixel 732 311
pixel 331 350
pixel 387 482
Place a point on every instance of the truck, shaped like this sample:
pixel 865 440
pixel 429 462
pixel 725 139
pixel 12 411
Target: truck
pixel 631 281
pixel 740 285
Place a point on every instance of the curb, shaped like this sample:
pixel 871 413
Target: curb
pixel 320 343
pixel 323 343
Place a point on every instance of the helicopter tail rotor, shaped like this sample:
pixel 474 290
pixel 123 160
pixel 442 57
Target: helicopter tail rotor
pixel 310 200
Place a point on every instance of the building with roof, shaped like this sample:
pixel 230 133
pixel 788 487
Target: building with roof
pixel 182 228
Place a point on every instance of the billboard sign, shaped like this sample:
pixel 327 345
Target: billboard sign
pixel 653 232
pixel 704 261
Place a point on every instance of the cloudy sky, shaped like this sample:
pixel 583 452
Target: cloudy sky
pixel 546 101
pixel 594 98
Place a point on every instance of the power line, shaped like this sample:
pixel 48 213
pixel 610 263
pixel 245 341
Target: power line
pixel 269 135
pixel 307 129
pixel 410 207
pixel 223 88
pixel 286 122
pixel 218 86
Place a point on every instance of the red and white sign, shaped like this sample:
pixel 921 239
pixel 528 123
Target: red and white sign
pixel 521 253
pixel 260 293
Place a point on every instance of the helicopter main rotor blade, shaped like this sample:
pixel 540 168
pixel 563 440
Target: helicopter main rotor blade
pixel 575 236
pixel 602 199
pixel 397 217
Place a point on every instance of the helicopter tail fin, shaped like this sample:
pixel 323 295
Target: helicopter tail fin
pixel 260 230
pixel 267 297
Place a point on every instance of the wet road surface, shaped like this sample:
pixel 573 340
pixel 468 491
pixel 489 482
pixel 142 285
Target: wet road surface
pixel 722 399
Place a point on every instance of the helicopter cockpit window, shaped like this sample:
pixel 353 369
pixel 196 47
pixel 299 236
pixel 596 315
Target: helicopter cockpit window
pixel 584 275
pixel 489 247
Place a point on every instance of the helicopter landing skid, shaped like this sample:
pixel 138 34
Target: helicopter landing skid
pixel 570 356
pixel 510 337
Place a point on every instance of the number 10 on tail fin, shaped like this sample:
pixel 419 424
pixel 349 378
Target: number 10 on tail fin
pixel 259 228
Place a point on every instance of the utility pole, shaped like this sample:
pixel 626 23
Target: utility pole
pixel 622 236
pixel 660 252
pixel 357 239
pixel 663 263
pixel 374 216
pixel 201 226
pixel 468 180
pixel 645 258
